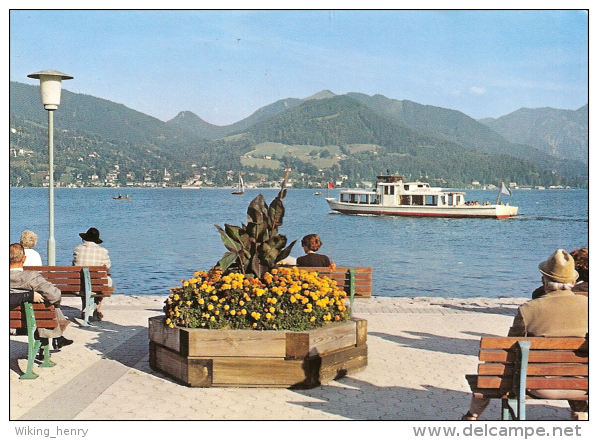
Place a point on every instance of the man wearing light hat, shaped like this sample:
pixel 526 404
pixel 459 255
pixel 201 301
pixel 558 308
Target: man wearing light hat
pixel 558 313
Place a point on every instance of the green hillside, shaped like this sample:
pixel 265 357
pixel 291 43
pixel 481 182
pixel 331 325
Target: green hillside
pixel 99 142
pixel 342 121
pixel 560 133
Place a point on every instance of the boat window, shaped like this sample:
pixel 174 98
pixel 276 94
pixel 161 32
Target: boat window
pixel 431 200
pixel 443 200
pixel 405 200
pixel 417 200
pixel 406 187
pixel 450 199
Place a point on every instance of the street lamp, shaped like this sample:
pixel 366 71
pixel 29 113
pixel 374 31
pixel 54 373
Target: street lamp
pixel 50 84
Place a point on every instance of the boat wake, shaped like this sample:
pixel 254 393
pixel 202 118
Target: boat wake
pixel 552 219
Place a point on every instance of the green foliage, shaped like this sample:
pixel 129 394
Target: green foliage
pixel 257 247
pixel 93 135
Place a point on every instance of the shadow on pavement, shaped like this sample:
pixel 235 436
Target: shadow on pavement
pixel 356 399
pixel 432 342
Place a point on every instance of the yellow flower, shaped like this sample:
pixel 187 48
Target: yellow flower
pixel 168 321
pixel 243 312
pixel 210 306
pixel 226 307
pixel 312 319
pixel 212 318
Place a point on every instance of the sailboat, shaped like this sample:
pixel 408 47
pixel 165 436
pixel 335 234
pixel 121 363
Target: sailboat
pixel 240 189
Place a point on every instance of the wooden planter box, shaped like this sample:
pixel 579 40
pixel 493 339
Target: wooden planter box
pixel 250 358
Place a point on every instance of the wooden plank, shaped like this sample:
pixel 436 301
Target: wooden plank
pixel 207 343
pixel 233 371
pixel 361 331
pixel 332 337
pixel 342 362
pixel 535 383
pixel 297 345
pixel 163 335
pixel 558 369
pixel 537 343
pixel 534 356
pixel 168 362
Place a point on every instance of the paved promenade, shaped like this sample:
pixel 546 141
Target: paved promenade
pixel 418 353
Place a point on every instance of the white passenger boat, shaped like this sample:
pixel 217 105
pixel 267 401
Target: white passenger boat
pixel 393 196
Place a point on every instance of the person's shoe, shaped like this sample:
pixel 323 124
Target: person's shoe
pixel 96 316
pixel 579 415
pixel 468 416
pixel 58 343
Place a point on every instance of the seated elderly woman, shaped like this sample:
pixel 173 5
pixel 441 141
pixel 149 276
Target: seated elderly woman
pixel 312 243
pixel 28 241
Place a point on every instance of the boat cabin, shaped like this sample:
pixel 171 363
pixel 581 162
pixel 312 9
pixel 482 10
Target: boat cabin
pixel 393 191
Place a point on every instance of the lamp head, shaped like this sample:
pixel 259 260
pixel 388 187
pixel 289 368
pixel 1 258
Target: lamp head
pixel 50 85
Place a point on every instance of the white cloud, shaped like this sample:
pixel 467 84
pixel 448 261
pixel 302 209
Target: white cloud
pixel 475 90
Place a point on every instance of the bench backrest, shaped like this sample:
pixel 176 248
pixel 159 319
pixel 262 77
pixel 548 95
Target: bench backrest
pixel 45 316
pixel 69 279
pixel 552 363
pixel 363 278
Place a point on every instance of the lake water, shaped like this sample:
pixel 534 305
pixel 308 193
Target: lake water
pixel 164 235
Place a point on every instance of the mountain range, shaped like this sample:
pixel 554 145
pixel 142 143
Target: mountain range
pixel 321 137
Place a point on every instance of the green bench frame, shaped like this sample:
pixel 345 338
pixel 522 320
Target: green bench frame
pixel 31 316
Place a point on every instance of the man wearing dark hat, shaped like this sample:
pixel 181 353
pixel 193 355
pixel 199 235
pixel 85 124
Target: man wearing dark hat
pixel 90 253
pixel 558 313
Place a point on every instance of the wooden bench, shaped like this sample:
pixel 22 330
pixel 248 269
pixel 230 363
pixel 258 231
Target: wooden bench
pixel 512 366
pixel 88 282
pixel 355 281
pixel 30 317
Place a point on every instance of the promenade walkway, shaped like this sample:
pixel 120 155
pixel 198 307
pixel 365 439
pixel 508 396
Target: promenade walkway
pixel 419 353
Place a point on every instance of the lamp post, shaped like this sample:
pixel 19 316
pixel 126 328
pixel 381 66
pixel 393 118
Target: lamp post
pixel 50 85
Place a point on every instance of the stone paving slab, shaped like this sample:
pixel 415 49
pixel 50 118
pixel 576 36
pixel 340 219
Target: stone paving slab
pixel 416 368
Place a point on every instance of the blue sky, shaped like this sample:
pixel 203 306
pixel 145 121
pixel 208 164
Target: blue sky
pixel 224 65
